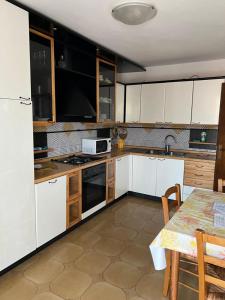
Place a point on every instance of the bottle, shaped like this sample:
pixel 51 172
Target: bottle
pixel 203 136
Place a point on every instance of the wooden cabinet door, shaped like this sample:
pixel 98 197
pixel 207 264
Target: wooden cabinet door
pixel 122 176
pixel 120 102
pixel 14 53
pixel 133 101
pixel 178 102
pixel 206 101
pixel 144 175
pixel 169 172
pixel 50 209
pixel 152 103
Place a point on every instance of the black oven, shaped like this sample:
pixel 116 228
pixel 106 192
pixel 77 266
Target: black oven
pixel 93 186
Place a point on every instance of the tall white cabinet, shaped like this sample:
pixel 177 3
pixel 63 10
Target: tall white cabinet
pixel 133 103
pixel 122 176
pixel 14 54
pixel 17 203
pixel 206 101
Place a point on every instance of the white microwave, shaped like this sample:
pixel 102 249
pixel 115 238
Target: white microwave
pixel 96 145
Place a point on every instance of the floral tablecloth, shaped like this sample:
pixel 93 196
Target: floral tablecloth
pixel 179 232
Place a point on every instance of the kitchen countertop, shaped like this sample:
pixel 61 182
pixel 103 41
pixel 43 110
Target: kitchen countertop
pixel 51 169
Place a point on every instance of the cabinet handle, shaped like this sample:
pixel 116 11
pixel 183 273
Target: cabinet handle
pixel 195 122
pixel 161 159
pixel 24 98
pixel 152 158
pixel 24 103
pixel 199 175
pixel 118 159
pixel 158 122
pixel 52 182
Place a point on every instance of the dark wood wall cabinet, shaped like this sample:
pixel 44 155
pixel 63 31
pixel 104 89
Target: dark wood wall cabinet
pixel 42 78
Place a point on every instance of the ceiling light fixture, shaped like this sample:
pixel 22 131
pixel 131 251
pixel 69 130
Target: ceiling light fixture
pixel 134 13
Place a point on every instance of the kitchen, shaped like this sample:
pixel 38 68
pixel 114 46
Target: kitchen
pixel 92 141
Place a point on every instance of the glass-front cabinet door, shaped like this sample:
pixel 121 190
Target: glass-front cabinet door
pixel 42 78
pixel 106 78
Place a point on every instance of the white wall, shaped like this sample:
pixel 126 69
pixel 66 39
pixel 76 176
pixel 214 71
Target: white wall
pixel 210 68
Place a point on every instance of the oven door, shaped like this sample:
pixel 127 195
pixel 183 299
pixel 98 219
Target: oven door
pixel 101 146
pixel 93 186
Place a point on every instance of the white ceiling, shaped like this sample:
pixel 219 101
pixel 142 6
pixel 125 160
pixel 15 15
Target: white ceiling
pixel 182 31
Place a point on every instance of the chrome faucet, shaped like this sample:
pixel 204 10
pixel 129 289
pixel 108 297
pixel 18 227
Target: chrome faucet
pixel 167 146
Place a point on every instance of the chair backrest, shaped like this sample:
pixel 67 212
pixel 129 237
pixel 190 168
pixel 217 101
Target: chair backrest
pixel 221 185
pixel 165 201
pixel 203 258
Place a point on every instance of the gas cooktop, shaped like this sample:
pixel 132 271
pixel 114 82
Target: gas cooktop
pixel 77 159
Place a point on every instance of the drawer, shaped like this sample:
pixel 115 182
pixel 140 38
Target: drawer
pixel 199 174
pixel 197 165
pixel 201 183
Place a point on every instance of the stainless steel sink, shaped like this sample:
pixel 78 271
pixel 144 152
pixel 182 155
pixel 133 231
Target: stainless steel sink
pixel 156 152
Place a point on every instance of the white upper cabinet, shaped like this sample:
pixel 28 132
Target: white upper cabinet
pixel 14 53
pixel 206 101
pixel 178 102
pixel 152 103
pixel 133 103
pixel 120 89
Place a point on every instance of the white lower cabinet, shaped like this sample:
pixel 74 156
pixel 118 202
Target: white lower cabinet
pixel 153 176
pixel 122 176
pixel 144 175
pixel 50 209
pixel 169 172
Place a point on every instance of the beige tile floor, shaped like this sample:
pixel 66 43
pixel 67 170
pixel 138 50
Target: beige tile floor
pixel 107 258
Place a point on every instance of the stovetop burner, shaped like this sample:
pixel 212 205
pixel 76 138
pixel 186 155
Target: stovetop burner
pixel 77 159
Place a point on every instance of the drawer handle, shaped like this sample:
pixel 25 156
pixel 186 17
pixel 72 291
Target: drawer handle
pixel 152 158
pixel 161 159
pixel 52 182
pixel 118 159
pixel 199 175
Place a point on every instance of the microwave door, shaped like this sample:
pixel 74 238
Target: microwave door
pixel 101 146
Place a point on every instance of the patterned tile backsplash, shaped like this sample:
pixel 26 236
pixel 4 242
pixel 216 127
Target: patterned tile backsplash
pixel 155 137
pixel 66 137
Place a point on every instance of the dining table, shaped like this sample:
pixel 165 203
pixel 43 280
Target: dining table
pixel 178 235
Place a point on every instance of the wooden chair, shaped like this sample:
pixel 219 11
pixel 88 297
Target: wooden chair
pixel 167 208
pixel 221 185
pixel 211 270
